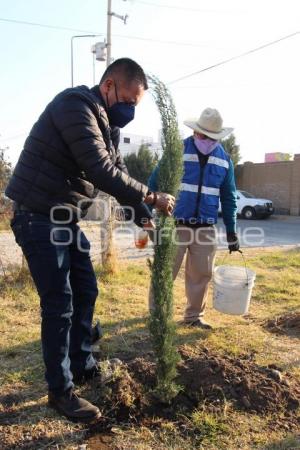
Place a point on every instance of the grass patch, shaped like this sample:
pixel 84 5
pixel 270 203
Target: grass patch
pixel 208 427
pixel 122 309
pixel 288 443
pixel 4 223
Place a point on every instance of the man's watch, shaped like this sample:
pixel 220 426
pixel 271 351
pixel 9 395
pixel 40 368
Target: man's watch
pixel 150 193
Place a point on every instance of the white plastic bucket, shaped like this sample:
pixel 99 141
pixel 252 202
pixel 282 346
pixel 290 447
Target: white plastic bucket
pixel 232 288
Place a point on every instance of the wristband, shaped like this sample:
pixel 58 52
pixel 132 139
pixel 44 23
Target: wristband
pixel 155 198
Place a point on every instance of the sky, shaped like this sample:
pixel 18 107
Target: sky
pixel 258 95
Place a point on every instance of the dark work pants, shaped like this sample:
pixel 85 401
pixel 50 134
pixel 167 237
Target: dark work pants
pixel 60 265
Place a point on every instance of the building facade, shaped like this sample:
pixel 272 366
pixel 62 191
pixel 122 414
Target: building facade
pixel 278 181
pixel 130 143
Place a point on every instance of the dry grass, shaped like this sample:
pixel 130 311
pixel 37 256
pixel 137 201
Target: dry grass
pixel 26 422
pixel 4 222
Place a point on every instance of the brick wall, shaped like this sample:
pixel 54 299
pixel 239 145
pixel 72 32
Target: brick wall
pixel 277 181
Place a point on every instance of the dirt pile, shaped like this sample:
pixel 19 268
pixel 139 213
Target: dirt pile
pixel 205 377
pixel 288 324
pixel 215 379
pixel 121 398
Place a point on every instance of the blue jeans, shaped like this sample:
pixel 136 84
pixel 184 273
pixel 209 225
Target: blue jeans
pixel 60 265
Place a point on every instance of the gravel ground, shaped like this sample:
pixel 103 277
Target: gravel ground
pixel 11 254
pixel 278 231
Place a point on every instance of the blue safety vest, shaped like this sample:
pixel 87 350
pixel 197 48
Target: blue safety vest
pixel 200 187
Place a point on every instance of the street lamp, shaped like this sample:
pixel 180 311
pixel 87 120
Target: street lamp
pixel 72 52
pixel 99 54
pixel 98 49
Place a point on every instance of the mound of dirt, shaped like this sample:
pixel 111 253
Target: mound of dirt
pixel 288 324
pixel 205 377
pixel 121 398
pixel 217 378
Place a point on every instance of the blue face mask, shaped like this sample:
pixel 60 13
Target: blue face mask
pixel 121 113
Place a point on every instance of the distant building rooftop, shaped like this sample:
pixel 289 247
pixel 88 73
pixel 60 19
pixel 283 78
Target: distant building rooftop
pixel 277 156
pixel 130 143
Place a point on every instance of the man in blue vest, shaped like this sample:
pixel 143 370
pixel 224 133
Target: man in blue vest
pixel 207 179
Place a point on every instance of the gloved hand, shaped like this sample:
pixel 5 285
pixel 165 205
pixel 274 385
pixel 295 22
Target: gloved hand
pixel 233 242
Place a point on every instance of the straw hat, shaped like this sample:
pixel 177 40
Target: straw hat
pixel 209 123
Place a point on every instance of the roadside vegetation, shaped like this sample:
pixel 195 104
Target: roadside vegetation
pixel 240 382
pixel 5 203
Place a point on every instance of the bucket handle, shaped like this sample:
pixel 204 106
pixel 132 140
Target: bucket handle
pixel 245 264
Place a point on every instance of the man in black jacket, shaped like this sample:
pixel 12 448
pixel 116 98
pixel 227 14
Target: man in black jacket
pixel 70 154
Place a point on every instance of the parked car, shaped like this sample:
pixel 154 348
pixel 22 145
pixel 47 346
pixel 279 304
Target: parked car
pixel 251 207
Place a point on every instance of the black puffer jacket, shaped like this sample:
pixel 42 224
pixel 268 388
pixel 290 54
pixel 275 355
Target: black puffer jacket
pixel 70 154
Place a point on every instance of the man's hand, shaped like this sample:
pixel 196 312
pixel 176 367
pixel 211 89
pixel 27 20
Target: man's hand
pixel 233 242
pixel 161 201
pixel 165 203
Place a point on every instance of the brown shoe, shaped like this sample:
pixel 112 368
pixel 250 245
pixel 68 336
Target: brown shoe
pixel 73 407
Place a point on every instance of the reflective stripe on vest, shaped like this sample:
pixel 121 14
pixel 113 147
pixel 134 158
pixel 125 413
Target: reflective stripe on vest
pixel 203 205
pixel 210 190
pixel 188 157
pixel 218 161
pixel 189 187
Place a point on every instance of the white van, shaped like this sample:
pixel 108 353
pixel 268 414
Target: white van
pixel 251 207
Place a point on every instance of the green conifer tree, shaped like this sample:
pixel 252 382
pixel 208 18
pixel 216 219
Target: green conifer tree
pixel 162 327
pixel 232 148
pixel 140 165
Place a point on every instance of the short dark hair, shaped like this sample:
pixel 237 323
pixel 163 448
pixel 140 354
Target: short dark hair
pixel 128 69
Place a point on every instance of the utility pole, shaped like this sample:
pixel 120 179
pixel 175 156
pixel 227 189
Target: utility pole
pixel 106 45
pixel 110 13
pixel 107 248
pixel 108 36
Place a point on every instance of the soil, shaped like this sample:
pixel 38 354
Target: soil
pixel 215 379
pixel 288 324
pixel 206 378
pixel 100 442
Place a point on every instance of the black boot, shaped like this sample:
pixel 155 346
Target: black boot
pixel 87 375
pixel 74 408
pixel 96 332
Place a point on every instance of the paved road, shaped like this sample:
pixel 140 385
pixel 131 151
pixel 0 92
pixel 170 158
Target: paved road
pixel 276 231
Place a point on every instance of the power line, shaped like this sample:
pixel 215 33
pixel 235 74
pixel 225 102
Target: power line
pixel 181 8
pixel 53 27
pixel 56 27
pixel 234 57
pixel 159 41
pixel 11 138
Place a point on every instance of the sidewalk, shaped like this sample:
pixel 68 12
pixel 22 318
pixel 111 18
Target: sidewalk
pixel 285 218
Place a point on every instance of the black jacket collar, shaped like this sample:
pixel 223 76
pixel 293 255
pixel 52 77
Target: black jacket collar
pixel 115 130
pixel 96 91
